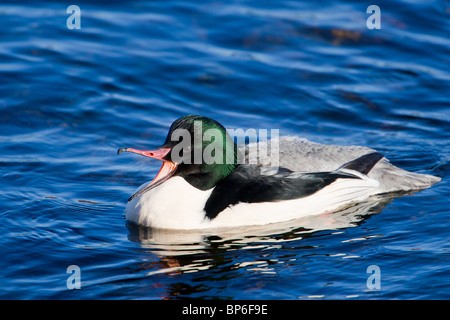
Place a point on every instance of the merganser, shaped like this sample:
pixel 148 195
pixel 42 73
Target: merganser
pixel 192 192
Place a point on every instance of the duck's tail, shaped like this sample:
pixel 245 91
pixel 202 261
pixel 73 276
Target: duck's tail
pixel 390 177
pixel 393 178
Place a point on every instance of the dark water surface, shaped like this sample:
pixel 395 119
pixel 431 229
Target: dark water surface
pixel 70 98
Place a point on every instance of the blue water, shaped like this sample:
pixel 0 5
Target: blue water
pixel 70 98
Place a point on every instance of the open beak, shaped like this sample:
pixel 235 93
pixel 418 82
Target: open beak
pixel 167 169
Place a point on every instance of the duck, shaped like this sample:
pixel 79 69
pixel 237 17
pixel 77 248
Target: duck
pixel 207 181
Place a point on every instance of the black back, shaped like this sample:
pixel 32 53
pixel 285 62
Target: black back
pixel 246 184
pixel 364 163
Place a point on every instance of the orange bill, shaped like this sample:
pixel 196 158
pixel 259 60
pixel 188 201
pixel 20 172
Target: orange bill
pixel 167 169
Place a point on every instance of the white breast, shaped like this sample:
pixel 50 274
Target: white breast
pixel 175 204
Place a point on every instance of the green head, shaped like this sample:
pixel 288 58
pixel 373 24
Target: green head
pixel 202 150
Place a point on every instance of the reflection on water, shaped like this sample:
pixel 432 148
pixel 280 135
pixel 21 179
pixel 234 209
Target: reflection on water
pixel 186 251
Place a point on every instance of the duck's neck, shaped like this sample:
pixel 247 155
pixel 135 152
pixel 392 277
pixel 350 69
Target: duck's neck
pixel 209 179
